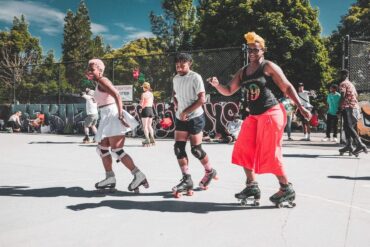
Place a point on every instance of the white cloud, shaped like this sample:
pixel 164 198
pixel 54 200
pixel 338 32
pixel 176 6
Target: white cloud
pixel 98 28
pixel 126 27
pixel 138 35
pixel 133 33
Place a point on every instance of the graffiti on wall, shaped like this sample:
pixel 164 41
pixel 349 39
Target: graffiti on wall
pixel 69 118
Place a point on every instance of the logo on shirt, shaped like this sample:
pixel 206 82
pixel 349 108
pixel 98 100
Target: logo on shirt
pixel 253 92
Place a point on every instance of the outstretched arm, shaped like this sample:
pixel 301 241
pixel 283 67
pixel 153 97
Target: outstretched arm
pixel 278 76
pixel 231 87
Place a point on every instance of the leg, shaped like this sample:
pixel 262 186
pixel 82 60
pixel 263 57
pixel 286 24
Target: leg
pixel 289 125
pixel 328 125
pixel 151 131
pixel 146 142
pixel 110 180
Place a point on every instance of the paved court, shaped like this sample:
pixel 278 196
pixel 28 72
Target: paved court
pixel 47 198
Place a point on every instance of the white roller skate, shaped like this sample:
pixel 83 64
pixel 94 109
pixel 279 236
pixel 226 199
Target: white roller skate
pixel 139 179
pixel 106 185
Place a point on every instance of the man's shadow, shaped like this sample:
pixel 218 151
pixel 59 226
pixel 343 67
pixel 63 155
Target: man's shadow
pixel 25 191
pixel 166 206
pixel 349 178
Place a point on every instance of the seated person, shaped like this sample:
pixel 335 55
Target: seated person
pixel 234 126
pixel 38 122
pixel 14 122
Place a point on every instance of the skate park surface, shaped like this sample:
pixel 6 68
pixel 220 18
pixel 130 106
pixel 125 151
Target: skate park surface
pixel 47 197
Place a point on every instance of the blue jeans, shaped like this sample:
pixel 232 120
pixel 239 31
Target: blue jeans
pixel 288 126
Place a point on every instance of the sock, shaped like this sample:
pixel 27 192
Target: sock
pixel 109 174
pixel 134 171
pixel 184 169
pixel 207 167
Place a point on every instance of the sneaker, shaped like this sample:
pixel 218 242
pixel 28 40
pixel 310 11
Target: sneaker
pixel 325 139
pixel 290 139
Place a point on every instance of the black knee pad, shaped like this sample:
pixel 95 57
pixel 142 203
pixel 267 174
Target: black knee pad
pixel 179 148
pixel 198 152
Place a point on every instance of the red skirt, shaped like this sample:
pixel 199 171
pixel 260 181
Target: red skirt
pixel 258 146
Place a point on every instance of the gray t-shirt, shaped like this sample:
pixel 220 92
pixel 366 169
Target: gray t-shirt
pixel 187 88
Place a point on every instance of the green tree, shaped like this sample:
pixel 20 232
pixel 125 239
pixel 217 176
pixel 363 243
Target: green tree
pixel 356 24
pixel 98 49
pixel 291 30
pixel 77 44
pixel 18 49
pixel 177 26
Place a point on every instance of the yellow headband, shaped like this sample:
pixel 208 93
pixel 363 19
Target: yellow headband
pixel 252 38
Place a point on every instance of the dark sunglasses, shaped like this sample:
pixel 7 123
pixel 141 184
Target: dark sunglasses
pixel 253 50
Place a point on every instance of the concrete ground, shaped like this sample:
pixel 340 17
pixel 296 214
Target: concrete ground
pixel 47 198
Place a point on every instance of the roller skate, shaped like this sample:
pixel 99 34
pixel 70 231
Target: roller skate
pixel 106 185
pixel 252 190
pixel 185 185
pixel 206 180
pixel 152 140
pixel 285 194
pixel 86 140
pixel 139 179
pixel 359 149
pixel 146 143
pixel 347 148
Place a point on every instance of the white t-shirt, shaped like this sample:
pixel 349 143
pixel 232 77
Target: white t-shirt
pixel 305 99
pixel 91 105
pixel 187 88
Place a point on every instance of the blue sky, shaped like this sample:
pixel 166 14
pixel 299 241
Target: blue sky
pixel 118 21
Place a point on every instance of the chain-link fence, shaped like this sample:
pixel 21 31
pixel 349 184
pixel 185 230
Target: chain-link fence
pixel 58 83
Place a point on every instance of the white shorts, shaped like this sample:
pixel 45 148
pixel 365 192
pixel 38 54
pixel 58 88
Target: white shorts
pixel 110 125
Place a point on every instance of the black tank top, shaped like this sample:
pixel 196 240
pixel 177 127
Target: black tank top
pixel 259 90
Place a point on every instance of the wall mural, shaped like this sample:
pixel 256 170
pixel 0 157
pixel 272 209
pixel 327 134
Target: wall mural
pixel 69 118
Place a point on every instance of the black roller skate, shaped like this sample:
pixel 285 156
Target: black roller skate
pixel 252 190
pixel 86 140
pixel 347 148
pixel 359 149
pixel 206 180
pixel 106 185
pixel 285 194
pixel 139 179
pixel 185 185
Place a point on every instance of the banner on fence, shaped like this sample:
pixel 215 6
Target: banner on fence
pixel 126 92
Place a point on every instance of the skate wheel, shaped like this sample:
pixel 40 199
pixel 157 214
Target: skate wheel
pixel 350 154
pixel 137 191
pixel 256 204
pixel 341 154
pixel 177 194
pixel 292 204
pixel 189 193
pixel 146 185
pixel 279 205
pixel 243 203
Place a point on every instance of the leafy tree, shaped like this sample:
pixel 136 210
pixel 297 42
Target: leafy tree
pixel 177 27
pixel 98 49
pixel 18 49
pixel 77 44
pixel 356 24
pixel 290 28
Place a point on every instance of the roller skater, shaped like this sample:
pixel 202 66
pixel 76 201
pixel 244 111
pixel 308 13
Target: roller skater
pixel 114 123
pixel 107 184
pixel 206 180
pixel 285 194
pixel 147 114
pixel 252 190
pixel 263 129
pixel 139 179
pixel 92 114
pixel 350 113
pixel 185 186
pixel 189 96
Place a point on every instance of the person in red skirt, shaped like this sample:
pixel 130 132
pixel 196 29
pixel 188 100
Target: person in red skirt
pixel 258 147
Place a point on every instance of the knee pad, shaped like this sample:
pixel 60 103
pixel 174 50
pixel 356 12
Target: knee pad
pixel 118 154
pixel 179 148
pixel 198 152
pixel 102 151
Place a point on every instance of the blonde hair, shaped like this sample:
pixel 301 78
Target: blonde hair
pixel 252 38
pixel 99 64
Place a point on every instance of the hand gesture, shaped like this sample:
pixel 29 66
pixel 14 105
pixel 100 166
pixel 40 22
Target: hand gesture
pixel 305 113
pixel 123 121
pixel 213 81
pixel 184 116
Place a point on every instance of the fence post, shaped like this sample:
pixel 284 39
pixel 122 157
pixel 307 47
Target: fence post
pixel 14 100
pixel 245 54
pixel 59 83
pixel 345 50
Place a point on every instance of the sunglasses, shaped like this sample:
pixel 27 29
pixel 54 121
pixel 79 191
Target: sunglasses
pixel 253 50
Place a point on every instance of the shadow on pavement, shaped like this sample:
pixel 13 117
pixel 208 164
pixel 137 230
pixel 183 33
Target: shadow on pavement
pixel 25 191
pixel 349 178
pixel 166 206
pixel 49 142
